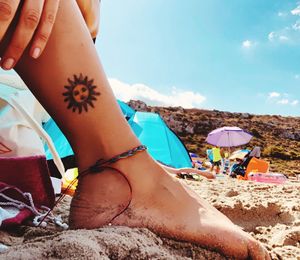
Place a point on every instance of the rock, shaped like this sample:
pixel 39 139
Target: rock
pixel 190 129
pixel 138 105
pixel 245 115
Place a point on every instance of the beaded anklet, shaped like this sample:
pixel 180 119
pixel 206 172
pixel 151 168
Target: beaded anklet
pixel 102 163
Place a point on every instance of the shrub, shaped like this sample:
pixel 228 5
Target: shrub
pixel 277 152
pixel 255 133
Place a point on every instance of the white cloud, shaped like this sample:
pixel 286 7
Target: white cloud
pixel 248 44
pixel 186 99
pixel 290 33
pixel 274 95
pixel 279 36
pixel 283 38
pixel 296 11
pixel 281 14
pixel 283 101
pixel 296 25
pixel 271 36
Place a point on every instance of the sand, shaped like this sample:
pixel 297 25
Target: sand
pixel 270 213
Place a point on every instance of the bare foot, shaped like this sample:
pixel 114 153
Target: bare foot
pixel 160 203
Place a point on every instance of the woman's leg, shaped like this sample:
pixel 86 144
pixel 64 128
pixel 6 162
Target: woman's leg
pixel 96 129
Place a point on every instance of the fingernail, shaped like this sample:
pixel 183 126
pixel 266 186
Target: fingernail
pixel 36 53
pixel 8 64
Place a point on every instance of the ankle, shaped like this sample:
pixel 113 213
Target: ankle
pixel 99 198
pixel 138 168
pixel 89 158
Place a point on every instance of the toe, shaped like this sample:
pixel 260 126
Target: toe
pixel 257 251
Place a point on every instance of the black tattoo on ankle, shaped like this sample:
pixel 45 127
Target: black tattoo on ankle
pixel 80 93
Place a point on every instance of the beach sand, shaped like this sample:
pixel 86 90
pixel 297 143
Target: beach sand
pixel 270 213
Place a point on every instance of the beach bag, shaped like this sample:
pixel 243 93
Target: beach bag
pixel 22 157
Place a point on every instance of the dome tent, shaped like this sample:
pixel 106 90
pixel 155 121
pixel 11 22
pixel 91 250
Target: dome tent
pixel 163 144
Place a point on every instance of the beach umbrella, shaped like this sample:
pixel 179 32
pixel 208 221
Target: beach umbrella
pixel 228 136
pixel 239 154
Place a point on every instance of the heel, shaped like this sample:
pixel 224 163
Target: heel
pixel 99 199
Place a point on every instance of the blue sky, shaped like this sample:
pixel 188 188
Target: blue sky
pixel 234 55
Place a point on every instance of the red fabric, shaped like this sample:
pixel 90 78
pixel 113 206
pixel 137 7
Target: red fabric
pixel 29 174
pixel 16 194
pixel 18 219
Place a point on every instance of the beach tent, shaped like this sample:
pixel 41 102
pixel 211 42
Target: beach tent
pixel 60 141
pixel 163 144
pixel 126 110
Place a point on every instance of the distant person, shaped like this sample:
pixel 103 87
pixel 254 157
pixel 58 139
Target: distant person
pixel 237 168
pixel 169 169
pixel 216 159
pixel 256 153
pixel 226 163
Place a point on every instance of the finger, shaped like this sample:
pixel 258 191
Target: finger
pixel 8 10
pixel 28 22
pixel 45 27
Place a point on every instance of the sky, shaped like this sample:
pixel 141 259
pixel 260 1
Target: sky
pixel 233 55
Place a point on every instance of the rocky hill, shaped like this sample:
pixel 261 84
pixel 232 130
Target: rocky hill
pixel 278 136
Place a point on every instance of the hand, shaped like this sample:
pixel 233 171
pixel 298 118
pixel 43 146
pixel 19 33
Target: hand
pixel 34 26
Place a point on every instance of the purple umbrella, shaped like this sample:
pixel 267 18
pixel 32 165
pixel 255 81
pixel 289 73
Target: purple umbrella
pixel 228 136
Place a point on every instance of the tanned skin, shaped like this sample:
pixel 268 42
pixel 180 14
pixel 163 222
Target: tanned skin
pixel 138 188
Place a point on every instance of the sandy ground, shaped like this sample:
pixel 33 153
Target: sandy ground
pixel 270 213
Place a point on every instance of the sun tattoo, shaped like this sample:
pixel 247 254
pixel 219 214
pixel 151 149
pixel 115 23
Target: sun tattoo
pixel 80 93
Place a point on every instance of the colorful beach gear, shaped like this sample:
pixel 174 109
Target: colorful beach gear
pixel 255 165
pixel 196 160
pixel 275 178
pixel 239 154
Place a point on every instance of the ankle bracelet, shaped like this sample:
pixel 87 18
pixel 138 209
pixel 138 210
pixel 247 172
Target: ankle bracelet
pixel 102 163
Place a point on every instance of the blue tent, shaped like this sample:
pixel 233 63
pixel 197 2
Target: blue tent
pixel 163 144
pixel 61 143
pixel 126 110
